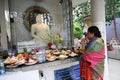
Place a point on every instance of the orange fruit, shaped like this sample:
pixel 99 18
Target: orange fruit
pixel 20 56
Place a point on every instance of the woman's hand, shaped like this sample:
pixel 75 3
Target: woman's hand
pixel 79 51
pixel 84 41
pixel 82 51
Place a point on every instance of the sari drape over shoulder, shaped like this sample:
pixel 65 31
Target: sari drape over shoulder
pixel 95 56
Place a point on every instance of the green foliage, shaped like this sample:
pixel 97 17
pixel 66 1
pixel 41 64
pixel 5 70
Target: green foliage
pixel 77 30
pixel 112 11
pixel 55 39
pixel 79 13
pixel 24 49
pixel 112 7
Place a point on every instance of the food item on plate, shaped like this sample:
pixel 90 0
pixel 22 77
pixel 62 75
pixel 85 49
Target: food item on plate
pixel 48 51
pixel 63 52
pixel 31 62
pixel 48 55
pixel 63 56
pixel 51 58
pixel 26 59
pixel 34 57
pixel 10 60
pixel 73 54
pixel 68 51
pixel 20 62
pixel 20 56
pixel 25 55
pixel 56 53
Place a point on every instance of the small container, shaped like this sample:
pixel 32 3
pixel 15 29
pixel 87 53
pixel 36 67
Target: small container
pixel 2 68
pixel 41 57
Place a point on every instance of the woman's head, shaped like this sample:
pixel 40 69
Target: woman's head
pixel 93 31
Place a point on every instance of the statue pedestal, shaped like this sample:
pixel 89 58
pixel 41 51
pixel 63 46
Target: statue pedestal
pixel 29 45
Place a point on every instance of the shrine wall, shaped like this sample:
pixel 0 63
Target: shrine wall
pixel 19 32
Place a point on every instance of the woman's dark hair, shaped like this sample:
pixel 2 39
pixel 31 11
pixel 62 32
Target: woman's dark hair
pixel 95 31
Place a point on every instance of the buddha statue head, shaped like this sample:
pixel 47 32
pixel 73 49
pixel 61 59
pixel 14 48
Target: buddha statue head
pixel 39 18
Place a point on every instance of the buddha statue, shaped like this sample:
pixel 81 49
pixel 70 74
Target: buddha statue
pixel 40 31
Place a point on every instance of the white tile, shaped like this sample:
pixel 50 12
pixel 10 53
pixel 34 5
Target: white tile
pixel 114 69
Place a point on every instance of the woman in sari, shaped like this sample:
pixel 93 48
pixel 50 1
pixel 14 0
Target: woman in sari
pixel 93 51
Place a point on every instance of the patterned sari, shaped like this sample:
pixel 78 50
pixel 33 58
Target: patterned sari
pixel 95 56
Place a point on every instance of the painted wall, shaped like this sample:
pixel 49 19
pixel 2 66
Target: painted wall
pixel 19 32
pixel 3 25
pixel 110 29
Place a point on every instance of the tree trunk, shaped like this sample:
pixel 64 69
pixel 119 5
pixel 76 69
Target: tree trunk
pixel 115 28
pixel 115 22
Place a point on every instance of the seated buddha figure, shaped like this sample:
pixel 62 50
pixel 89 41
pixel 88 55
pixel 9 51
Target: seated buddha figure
pixel 40 31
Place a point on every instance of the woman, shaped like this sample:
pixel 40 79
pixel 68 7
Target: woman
pixel 94 54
